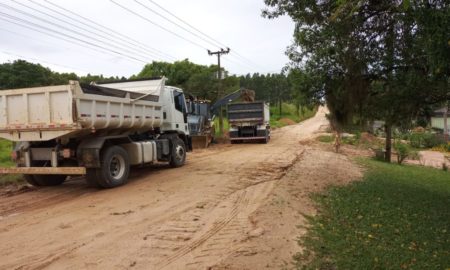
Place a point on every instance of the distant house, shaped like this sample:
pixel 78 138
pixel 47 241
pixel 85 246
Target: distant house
pixel 437 120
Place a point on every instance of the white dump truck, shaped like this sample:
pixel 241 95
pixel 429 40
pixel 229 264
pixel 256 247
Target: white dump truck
pixel 96 130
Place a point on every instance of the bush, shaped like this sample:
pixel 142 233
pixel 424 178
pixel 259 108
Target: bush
pixel 425 140
pixel 403 151
pixel 352 140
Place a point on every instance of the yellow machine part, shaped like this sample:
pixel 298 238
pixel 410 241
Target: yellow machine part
pixel 200 141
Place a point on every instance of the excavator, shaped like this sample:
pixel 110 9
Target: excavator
pixel 202 114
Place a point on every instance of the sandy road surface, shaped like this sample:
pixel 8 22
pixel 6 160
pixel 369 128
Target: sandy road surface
pixel 201 216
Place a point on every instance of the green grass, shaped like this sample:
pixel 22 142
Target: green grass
pixel 226 126
pixel 5 153
pixel 326 138
pixel 289 111
pixel 398 217
pixel 5 161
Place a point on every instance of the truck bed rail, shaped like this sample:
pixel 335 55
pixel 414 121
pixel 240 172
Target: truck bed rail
pixel 44 170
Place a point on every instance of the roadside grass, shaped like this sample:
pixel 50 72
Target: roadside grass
pixel 360 140
pixel 5 161
pixel 325 138
pixel 217 127
pixel 398 217
pixel 289 111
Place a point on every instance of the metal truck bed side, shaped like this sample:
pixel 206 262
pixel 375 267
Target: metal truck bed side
pixel 39 113
pixel 45 113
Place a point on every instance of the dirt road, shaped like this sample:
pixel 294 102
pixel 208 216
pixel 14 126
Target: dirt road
pixel 222 210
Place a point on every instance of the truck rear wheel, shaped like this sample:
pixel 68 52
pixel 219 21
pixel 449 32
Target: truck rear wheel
pixel 91 178
pixel 178 153
pixel 45 179
pixel 30 180
pixel 114 171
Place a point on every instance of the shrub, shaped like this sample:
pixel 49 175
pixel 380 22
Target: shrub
pixel 403 151
pixel 425 140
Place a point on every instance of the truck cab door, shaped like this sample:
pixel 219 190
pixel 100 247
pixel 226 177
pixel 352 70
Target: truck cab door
pixel 180 111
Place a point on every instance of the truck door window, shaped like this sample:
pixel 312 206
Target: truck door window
pixel 180 104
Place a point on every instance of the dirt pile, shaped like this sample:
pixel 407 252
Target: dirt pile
pixel 287 121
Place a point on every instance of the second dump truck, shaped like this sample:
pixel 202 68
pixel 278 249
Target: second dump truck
pixel 249 121
pixel 95 130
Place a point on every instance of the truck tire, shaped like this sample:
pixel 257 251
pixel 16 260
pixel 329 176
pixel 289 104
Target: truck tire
pixel 178 153
pixel 91 178
pixel 115 168
pixel 30 180
pixel 45 179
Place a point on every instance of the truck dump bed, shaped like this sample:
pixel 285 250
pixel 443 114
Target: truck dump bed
pixel 72 110
pixel 251 112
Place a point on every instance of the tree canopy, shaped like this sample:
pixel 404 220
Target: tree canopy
pixel 384 60
pixel 197 80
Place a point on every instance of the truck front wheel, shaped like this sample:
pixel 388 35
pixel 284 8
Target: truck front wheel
pixel 114 171
pixel 178 154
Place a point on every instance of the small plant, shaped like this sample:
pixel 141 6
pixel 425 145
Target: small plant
pixel 442 148
pixel 444 166
pixel 403 151
pixel 326 138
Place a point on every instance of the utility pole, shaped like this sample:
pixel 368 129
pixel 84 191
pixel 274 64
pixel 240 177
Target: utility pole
pixel 219 76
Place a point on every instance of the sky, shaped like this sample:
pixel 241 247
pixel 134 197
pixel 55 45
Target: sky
pixel 118 37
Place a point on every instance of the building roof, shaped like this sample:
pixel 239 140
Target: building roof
pixel 440 112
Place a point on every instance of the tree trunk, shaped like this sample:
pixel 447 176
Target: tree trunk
pixel 445 122
pixel 279 100
pixel 337 141
pixel 388 130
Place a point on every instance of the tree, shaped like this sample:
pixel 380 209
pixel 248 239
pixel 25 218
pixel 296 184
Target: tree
pixel 20 74
pixel 375 59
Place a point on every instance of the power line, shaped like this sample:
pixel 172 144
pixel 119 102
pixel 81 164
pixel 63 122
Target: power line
pixel 203 33
pixel 214 43
pixel 54 36
pixel 65 35
pixel 41 61
pixel 158 25
pixel 72 31
pixel 101 28
pixel 82 28
pixel 164 28
pixel 188 24
pixel 28 38
pixel 171 21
